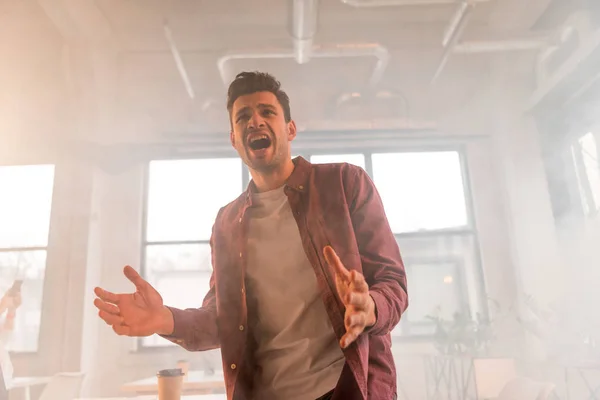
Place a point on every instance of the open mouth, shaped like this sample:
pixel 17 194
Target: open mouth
pixel 259 142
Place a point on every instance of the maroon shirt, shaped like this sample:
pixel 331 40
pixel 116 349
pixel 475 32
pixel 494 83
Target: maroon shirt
pixel 333 204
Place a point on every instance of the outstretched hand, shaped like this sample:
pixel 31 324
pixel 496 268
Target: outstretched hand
pixel 10 302
pixel 353 290
pixel 141 313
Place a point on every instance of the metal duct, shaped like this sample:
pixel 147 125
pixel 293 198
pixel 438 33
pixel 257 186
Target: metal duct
pixel 453 34
pixel 384 3
pixel 178 61
pixel 340 51
pixel 379 95
pixel 303 27
pixel 454 23
pixel 500 45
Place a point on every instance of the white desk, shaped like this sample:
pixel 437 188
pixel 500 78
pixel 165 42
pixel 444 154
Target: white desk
pixel 197 382
pixel 26 382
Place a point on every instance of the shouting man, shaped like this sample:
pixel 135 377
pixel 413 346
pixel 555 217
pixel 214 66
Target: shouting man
pixel 307 278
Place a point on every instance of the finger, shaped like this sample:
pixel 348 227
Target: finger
pixel 342 288
pixel 135 277
pixel 349 337
pixel 110 319
pixel 355 320
pixel 359 301
pixel 334 262
pixel 106 295
pixel 121 330
pixel 358 282
pixel 106 307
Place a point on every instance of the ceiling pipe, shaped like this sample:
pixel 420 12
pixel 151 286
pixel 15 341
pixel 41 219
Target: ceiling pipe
pixel 385 3
pixel 494 46
pixel 178 60
pixel 303 19
pixel 454 23
pixel 453 34
pixel 336 51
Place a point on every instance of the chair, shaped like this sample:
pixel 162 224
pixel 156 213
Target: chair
pixel 63 386
pixel 526 389
pixel 492 374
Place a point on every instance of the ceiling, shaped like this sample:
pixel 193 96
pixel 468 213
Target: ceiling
pixel 111 61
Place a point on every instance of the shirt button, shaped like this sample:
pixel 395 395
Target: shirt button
pixel 243 290
pixel 240 255
pixel 233 366
pixel 240 220
pixel 241 327
pixel 300 187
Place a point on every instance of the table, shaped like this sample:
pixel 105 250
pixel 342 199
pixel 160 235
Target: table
pixel 26 382
pixel 197 382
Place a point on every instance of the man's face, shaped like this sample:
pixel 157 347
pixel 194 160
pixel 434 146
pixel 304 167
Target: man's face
pixel 259 131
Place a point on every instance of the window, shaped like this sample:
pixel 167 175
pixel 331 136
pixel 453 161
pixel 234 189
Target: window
pixel 421 191
pixel 424 199
pixel 25 206
pixel 184 197
pixel 423 195
pixel 585 154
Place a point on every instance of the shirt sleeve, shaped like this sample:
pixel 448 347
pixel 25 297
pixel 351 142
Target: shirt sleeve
pixel 195 329
pixel 379 252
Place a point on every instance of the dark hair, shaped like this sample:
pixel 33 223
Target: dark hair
pixel 252 82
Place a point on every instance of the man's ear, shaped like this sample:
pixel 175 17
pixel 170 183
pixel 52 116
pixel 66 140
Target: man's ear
pixel 291 130
pixel 232 138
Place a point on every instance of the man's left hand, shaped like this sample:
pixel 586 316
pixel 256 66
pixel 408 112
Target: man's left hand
pixel 354 293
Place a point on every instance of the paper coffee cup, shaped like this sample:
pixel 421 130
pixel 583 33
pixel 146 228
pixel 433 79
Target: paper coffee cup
pixel 170 382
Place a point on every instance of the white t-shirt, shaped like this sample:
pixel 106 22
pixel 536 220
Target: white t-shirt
pixel 298 354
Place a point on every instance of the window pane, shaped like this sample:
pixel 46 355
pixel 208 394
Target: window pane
pixel 426 279
pixel 356 159
pixel 184 196
pixel 592 168
pixel 25 205
pixel 442 273
pixel 421 191
pixel 178 257
pixel 181 274
pixel 28 266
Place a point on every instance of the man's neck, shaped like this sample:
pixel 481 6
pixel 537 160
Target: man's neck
pixel 271 180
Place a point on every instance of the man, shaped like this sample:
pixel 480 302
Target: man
pixel 294 318
pixel 8 304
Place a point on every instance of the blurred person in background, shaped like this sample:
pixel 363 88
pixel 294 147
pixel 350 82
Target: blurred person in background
pixel 9 303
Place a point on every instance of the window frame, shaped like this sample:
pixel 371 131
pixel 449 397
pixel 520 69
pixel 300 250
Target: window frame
pixel 584 186
pixel 46 249
pixel 306 151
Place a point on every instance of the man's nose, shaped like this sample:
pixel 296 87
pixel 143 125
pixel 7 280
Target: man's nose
pixel 256 121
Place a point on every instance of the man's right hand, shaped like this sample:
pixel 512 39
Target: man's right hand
pixel 141 313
